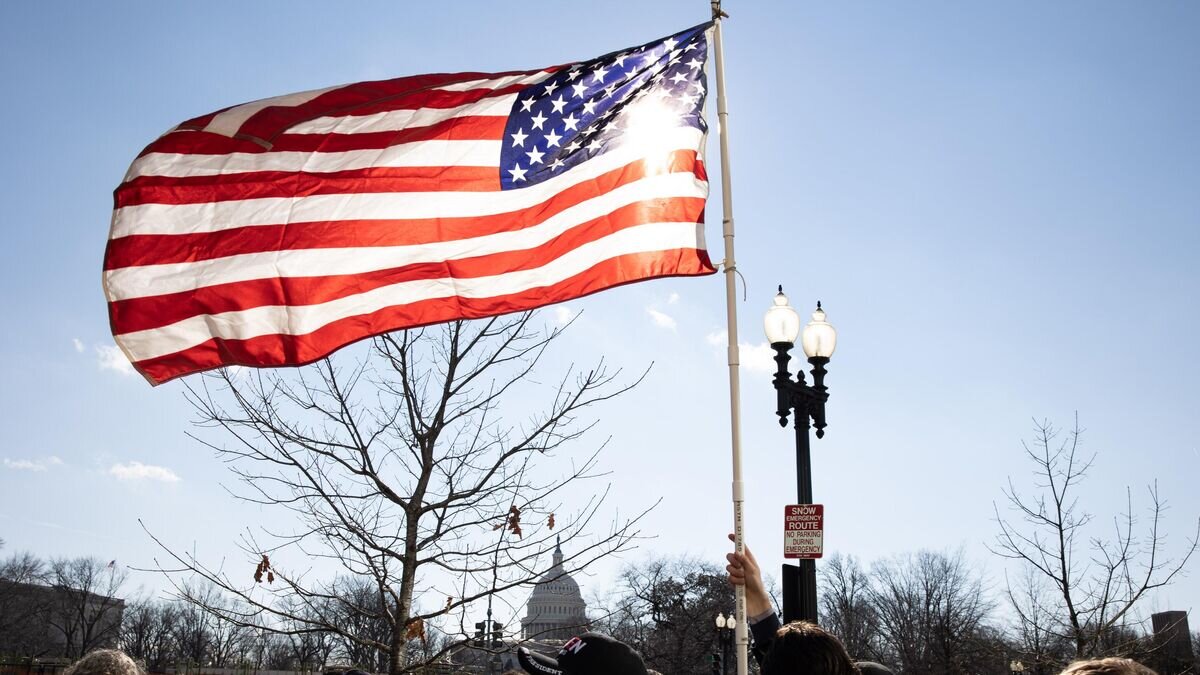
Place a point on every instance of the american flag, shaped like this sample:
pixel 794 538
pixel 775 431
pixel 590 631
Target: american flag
pixel 275 232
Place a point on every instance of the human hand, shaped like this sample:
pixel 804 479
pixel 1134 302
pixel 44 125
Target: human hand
pixel 743 570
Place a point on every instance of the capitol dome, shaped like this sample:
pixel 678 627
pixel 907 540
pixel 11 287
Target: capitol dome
pixel 556 610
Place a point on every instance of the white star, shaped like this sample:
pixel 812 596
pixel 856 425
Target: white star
pixel 570 123
pixel 620 60
pixel 571 147
pixel 698 87
pixel 552 139
pixel 670 43
pixel 556 164
pixel 551 87
pixel 679 77
pixel 589 107
pixel 538 120
pixel 598 75
pixel 580 89
pixel 673 56
pixel 609 90
pixel 649 60
pixel 575 72
pixel 689 99
pixel 694 64
pixel 527 104
pixel 518 174
pixel 690 47
pixel 594 145
pixel 558 104
pixel 519 138
pixel 535 156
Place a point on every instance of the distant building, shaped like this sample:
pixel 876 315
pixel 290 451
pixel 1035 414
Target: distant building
pixel 56 622
pixel 1172 643
pixel 556 610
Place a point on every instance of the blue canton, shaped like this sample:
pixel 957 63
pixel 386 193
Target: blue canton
pixel 578 112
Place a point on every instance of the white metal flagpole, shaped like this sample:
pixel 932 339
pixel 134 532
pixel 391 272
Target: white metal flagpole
pixel 735 405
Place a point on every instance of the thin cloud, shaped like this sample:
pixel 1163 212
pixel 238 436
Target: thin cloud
pixel 672 298
pixel 23 465
pixel 32 464
pixel 139 471
pixel 78 344
pixel 756 358
pixel 110 357
pixel 563 314
pixel 661 320
pixel 759 358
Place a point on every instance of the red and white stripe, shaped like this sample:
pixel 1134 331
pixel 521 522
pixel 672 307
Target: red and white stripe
pixel 275 232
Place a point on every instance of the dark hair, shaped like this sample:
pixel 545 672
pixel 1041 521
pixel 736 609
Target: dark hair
pixel 802 648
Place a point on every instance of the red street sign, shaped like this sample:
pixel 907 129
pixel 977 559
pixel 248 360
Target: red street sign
pixel 803 530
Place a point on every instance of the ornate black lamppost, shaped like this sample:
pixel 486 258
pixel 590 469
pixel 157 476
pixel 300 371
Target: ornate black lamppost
pixel 725 629
pixel 782 326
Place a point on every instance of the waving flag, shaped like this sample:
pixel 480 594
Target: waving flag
pixel 275 232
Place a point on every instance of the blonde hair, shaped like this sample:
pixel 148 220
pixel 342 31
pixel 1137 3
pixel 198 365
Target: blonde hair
pixel 1109 666
pixel 105 662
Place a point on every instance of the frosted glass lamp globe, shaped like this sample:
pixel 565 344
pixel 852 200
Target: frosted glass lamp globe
pixel 782 323
pixel 819 339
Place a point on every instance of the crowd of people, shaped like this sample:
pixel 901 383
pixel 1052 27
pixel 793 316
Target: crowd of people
pixel 795 648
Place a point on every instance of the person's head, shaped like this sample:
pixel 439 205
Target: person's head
pixel 1109 666
pixel 587 654
pixel 802 648
pixel 104 662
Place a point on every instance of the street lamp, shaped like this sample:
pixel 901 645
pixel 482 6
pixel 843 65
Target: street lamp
pixel 819 339
pixel 725 629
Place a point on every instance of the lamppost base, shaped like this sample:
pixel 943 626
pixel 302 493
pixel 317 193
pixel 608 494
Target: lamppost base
pixel 799 592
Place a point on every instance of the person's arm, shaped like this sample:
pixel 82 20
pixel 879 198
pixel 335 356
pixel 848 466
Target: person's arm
pixel 743 570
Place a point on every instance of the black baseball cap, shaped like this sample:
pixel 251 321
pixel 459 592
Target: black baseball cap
pixel 587 654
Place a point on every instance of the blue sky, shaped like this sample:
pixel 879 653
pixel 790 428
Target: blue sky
pixel 997 204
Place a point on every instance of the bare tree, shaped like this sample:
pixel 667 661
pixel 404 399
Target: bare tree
pixel 403 470
pixel 360 610
pixel 846 606
pixel 1096 581
pixel 85 607
pixel 665 608
pixel 1043 649
pixel 930 613
pixel 148 632
pixel 202 636
pixel 310 649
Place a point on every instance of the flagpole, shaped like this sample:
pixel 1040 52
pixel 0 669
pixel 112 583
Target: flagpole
pixel 735 405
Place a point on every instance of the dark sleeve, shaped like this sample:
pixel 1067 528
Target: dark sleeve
pixel 763 633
